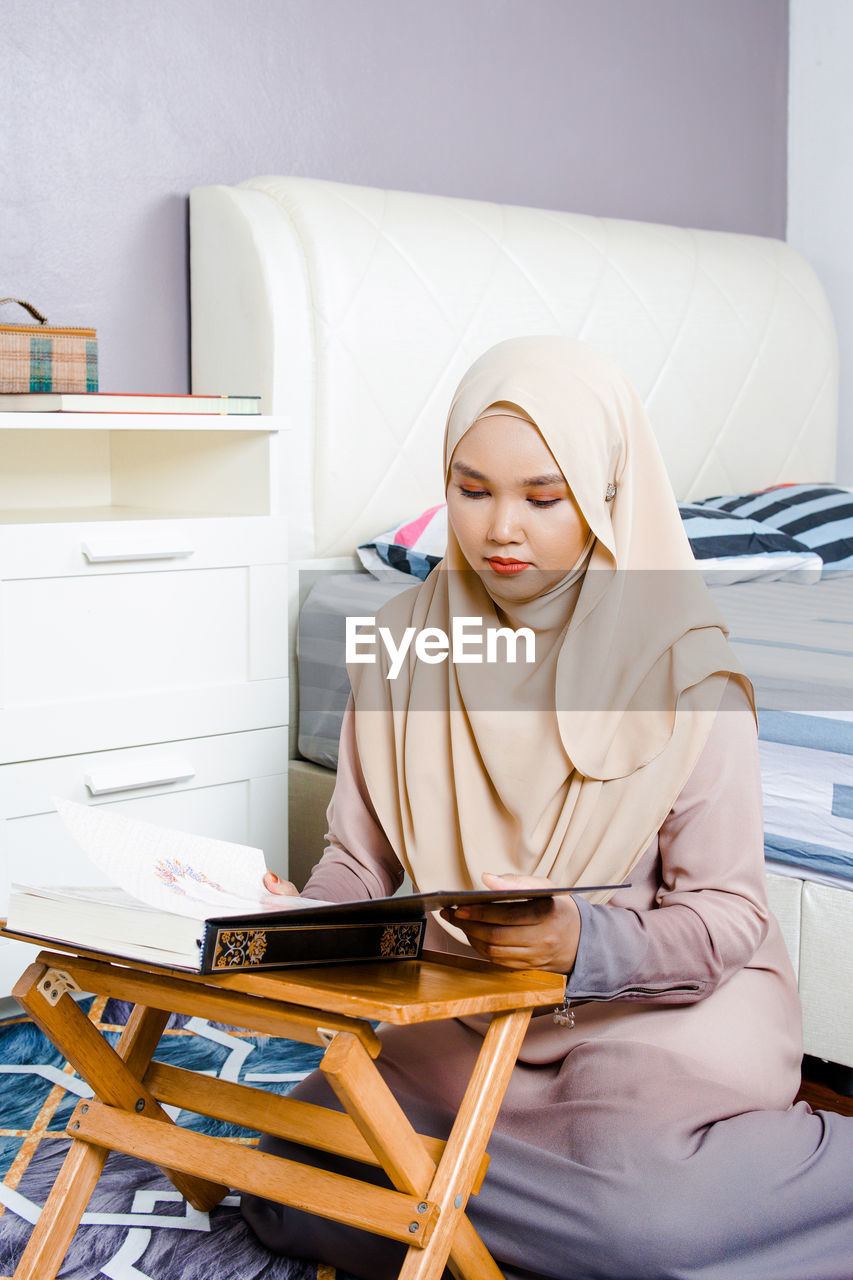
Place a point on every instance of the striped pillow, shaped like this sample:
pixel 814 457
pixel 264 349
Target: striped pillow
pixel 413 548
pixel 732 548
pixel 820 516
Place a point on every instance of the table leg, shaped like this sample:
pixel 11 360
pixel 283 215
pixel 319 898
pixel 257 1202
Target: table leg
pixel 83 1165
pixel 111 1078
pixel 466 1144
pixel 385 1127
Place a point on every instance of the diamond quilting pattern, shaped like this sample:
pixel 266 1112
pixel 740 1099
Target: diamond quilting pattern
pixel 728 338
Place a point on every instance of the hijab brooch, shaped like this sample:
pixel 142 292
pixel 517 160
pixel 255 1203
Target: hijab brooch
pixel 610 492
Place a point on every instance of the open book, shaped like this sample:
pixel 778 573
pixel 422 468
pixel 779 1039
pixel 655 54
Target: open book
pixel 194 903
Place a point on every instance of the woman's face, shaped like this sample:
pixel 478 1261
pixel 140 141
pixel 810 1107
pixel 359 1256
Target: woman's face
pixel 511 509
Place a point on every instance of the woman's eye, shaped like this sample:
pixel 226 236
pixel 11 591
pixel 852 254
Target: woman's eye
pixel 473 493
pixel 544 502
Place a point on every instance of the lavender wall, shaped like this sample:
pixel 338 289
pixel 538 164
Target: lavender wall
pixel 667 110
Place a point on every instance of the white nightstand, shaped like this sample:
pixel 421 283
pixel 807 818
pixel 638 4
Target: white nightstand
pixel 143 634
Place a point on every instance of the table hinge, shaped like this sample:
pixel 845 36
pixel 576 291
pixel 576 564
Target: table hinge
pixel 53 985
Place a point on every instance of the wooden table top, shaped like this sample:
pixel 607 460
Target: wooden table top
pixel 404 991
pixel 395 991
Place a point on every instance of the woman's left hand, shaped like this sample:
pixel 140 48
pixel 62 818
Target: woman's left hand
pixel 274 884
pixel 541 933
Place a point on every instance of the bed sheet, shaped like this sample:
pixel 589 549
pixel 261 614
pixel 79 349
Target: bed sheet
pixel 795 641
pixel 807 782
pixel 796 644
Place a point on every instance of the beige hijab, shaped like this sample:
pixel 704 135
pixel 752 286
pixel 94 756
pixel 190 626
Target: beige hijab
pixel 568 768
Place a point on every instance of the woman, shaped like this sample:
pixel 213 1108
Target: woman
pixel 654 1136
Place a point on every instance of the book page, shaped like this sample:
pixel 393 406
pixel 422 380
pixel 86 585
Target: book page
pixel 172 870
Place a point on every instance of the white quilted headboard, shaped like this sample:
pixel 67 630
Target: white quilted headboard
pixel 354 311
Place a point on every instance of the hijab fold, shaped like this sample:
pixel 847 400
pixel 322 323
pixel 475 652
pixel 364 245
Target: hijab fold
pixel 566 768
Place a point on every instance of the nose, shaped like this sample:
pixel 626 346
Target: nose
pixel 506 524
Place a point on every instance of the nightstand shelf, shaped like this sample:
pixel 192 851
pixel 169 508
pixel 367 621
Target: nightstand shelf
pixel 83 466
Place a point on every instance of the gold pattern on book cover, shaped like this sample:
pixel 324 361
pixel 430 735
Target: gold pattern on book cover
pixel 239 947
pixel 400 940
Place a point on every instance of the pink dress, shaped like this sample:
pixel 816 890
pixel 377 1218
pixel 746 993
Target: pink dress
pixel 657 1136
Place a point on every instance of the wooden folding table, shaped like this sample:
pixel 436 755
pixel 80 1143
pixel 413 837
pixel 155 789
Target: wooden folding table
pixel 332 1007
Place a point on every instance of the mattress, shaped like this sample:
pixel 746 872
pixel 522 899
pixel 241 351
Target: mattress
pixel 323 684
pixel 795 642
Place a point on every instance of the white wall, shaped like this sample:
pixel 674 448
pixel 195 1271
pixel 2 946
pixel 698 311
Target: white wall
pixel 820 172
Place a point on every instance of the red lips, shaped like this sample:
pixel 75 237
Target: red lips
pixel 507 567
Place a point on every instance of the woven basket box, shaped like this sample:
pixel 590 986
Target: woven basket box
pixel 46 357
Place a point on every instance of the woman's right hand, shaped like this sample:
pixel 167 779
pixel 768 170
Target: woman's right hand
pixel 273 884
pixel 537 933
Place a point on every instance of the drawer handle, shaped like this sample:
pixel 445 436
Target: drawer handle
pixel 156 773
pixel 106 552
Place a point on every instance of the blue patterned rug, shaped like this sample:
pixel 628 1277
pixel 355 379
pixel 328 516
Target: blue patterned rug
pixel 137 1226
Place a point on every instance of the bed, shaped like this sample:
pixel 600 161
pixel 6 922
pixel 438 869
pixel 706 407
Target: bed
pixel 353 311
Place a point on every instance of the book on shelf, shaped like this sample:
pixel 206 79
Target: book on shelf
pixel 124 402
pixel 190 902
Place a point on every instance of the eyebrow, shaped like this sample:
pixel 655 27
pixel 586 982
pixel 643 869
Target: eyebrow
pixel 555 477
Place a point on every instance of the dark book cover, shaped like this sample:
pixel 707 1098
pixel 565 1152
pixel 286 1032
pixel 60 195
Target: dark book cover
pixel 372 929
pixel 273 945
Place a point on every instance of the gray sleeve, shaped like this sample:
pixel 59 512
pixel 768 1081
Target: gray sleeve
pixel 614 961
